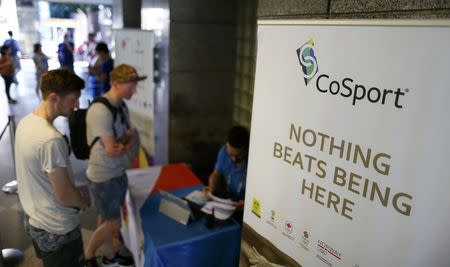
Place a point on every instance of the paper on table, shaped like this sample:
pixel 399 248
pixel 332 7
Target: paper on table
pixel 222 200
pixel 197 196
pixel 141 183
pixel 221 211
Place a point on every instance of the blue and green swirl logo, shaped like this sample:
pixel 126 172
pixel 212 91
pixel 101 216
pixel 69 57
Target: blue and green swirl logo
pixel 308 60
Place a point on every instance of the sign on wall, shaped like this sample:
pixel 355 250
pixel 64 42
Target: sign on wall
pixel 135 47
pixel 348 162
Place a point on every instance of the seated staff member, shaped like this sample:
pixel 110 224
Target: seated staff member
pixel 230 172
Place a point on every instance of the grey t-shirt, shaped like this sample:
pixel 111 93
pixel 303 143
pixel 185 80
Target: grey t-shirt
pixel 39 149
pixel 99 121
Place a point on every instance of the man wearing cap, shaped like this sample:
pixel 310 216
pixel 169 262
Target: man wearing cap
pixel 109 157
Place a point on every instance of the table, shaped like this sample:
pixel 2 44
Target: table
pixel 169 243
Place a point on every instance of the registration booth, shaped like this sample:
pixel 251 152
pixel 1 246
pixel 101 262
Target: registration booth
pixel 157 240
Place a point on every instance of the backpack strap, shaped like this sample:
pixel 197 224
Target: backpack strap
pixel 114 111
pixel 123 111
pixel 111 108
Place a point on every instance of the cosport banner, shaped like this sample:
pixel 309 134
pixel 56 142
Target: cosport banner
pixel 349 158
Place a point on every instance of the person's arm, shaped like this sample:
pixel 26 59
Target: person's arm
pixel 132 146
pixel 6 66
pixel 3 66
pixel 131 139
pixel 101 76
pixel 105 68
pixel 99 122
pixel 80 49
pixel 17 46
pixel 112 146
pixel 38 64
pixel 12 63
pixel 214 180
pixel 240 204
pixel 65 191
pixel 69 46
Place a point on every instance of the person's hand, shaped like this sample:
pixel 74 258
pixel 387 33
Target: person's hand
pixel 84 204
pixel 115 149
pixel 129 140
pixel 84 193
pixel 239 205
pixel 206 192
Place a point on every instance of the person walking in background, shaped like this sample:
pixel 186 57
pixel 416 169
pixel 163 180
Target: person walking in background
pixel 106 67
pixel 65 53
pixel 110 155
pixel 7 71
pixel 49 198
pixel 41 62
pixel 99 73
pixel 87 49
pixel 95 85
pixel 15 50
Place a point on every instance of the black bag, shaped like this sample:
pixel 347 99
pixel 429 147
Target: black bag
pixel 77 126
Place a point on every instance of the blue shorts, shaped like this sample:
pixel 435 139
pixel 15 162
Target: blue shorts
pixel 56 250
pixel 109 196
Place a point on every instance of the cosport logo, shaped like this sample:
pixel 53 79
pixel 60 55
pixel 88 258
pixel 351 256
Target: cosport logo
pixel 345 87
pixel 308 60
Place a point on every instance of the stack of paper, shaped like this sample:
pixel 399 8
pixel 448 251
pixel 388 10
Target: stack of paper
pixel 223 208
pixel 197 197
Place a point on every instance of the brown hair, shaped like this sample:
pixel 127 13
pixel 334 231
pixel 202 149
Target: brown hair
pixel 60 81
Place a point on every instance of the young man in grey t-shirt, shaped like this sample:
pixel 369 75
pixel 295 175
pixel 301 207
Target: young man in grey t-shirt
pixel 108 160
pixel 46 190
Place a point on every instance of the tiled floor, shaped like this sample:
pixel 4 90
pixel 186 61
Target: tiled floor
pixel 11 227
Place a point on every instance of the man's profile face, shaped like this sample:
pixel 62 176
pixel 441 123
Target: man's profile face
pixel 128 89
pixel 66 104
pixel 237 155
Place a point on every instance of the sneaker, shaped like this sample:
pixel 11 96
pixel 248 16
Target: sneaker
pixel 109 262
pixel 124 261
pixel 91 263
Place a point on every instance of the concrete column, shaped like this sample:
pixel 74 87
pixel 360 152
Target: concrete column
pixel 126 14
pixel 202 56
pixel 353 9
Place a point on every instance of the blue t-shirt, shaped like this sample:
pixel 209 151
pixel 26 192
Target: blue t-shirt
pixel 13 45
pixel 65 56
pixel 235 176
pixel 107 67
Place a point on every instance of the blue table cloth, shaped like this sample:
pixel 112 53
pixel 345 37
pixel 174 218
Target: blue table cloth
pixel 169 243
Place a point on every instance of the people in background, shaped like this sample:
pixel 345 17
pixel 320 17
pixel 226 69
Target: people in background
pixel 65 53
pixel 87 49
pixel 230 171
pixel 7 71
pixel 99 73
pixel 15 50
pixel 109 157
pixel 106 66
pixel 40 62
pixel 95 85
pixel 50 200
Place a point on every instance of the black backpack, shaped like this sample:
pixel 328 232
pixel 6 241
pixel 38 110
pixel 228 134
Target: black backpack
pixel 77 126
